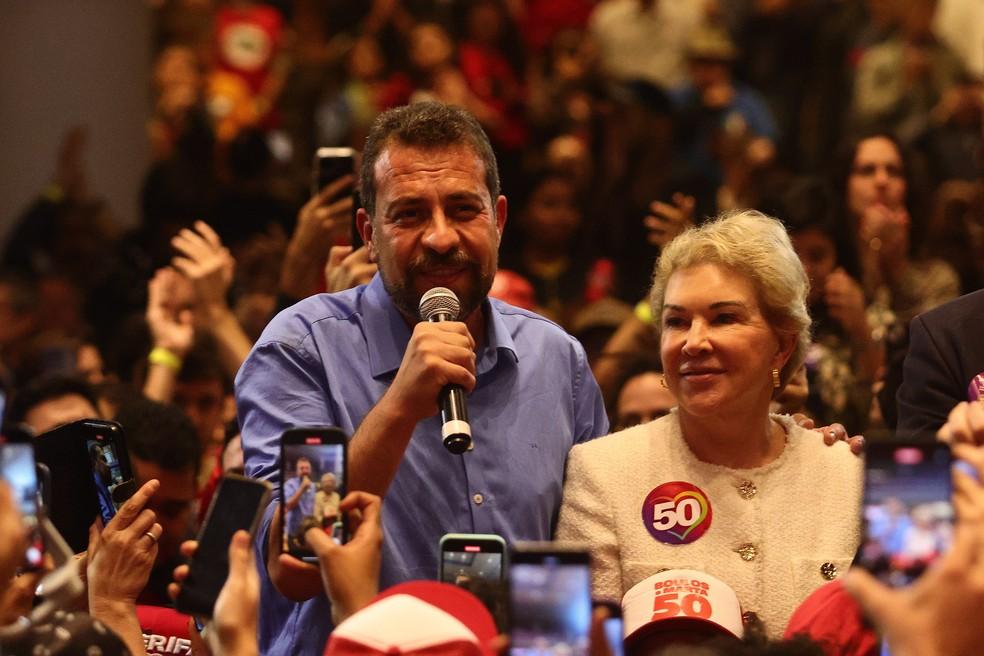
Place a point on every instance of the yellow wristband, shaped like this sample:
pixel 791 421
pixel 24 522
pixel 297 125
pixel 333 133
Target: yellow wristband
pixel 162 356
pixel 53 192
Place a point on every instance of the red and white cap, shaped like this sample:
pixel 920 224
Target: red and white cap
pixel 423 618
pixel 681 601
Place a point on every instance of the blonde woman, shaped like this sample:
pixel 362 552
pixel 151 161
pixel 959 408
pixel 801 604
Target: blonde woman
pixel 719 484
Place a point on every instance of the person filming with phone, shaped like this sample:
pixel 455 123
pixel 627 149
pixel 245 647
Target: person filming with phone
pixel 721 485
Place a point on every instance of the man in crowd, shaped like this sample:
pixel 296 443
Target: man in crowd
pixel 362 360
pixel 50 402
pixel 162 445
pixel 945 355
pixel 299 495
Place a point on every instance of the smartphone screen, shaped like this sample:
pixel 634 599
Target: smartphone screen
pixel 313 474
pixel 17 468
pixel 549 602
pixel 107 472
pixel 614 632
pixel 476 563
pixel 236 506
pixel 908 514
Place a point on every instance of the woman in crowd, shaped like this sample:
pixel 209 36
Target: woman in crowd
pixel 843 360
pixel 875 180
pixel 720 485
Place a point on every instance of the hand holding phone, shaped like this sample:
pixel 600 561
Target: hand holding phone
pixel 237 506
pixel 350 571
pixel 121 556
pixel 323 222
pixel 330 166
pixel 235 614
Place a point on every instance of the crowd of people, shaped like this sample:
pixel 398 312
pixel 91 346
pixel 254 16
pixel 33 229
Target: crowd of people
pixel 729 226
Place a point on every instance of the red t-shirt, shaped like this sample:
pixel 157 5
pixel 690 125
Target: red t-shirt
pixel 831 617
pixel 165 630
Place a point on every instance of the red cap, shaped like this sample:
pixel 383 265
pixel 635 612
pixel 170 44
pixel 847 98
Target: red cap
pixel 418 618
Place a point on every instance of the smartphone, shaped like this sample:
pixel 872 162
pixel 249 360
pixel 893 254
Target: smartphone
pixel 90 475
pixel 614 629
pixel 908 513
pixel 237 505
pixel 477 563
pixel 549 599
pixel 329 165
pixel 314 479
pixel 18 469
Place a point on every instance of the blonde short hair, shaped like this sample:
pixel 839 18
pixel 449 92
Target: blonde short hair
pixel 756 246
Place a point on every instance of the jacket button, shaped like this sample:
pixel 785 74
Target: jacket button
pixel 747 490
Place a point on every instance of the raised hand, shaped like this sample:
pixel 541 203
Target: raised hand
pixel 207 264
pixel 323 220
pixel 667 220
pixel 171 326
pixel 121 556
pixel 347 268
pixel 845 300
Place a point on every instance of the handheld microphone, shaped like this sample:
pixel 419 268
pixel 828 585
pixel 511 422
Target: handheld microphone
pixel 441 304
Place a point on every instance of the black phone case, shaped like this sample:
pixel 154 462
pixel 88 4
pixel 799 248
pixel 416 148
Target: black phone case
pixel 206 578
pixel 70 496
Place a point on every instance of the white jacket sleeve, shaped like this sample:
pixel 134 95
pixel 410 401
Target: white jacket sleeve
pixel 587 518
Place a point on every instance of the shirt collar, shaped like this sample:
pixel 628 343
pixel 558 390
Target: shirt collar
pixel 388 334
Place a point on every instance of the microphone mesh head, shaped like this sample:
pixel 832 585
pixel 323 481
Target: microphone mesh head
pixel 439 300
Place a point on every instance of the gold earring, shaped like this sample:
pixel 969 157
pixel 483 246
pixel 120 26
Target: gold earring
pixel 775 379
pixel 662 381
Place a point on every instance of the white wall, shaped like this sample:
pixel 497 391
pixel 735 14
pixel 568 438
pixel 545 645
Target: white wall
pixel 66 62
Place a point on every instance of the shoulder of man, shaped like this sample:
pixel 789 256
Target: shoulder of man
pixel 294 324
pixel 517 318
pixel 950 316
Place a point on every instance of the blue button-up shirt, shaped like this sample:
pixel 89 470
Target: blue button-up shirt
pixel 304 507
pixel 329 359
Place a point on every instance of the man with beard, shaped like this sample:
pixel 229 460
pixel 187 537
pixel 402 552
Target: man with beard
pixel 362 360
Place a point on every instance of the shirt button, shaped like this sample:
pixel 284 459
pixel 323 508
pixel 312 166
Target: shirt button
pixel 829 571
pixel 747 490
pixel 748 552
pixel 478 499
